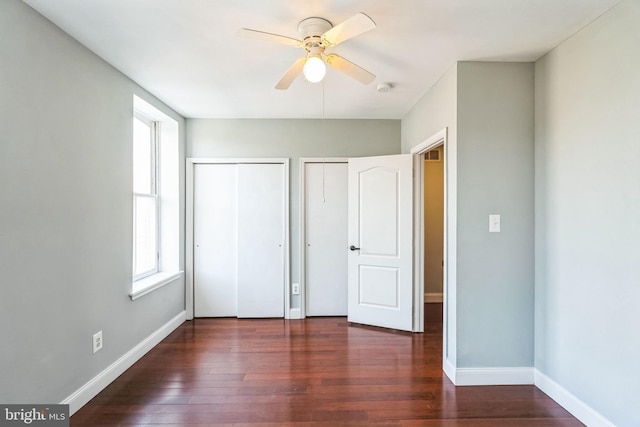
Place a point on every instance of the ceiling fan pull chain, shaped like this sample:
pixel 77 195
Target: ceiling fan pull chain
pixel 324 148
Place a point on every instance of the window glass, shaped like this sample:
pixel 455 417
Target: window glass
pixel 142 157
pixel 145 238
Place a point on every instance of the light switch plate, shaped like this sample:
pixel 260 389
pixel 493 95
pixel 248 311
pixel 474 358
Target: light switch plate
pixel 494 223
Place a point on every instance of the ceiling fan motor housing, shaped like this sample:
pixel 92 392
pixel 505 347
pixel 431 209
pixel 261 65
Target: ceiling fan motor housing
pixel 311 31
pixel 317 34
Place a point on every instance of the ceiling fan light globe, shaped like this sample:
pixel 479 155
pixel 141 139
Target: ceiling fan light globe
pixel 314 69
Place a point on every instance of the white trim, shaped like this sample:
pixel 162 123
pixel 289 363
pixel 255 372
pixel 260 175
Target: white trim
pixel 432 297
pixel 505 376
pixel 287 244
pixel 493 376
pixel 303 225
pixel 418 242
pixel 439 138
pixel 449 370
pixel 570 402
pixel 450 270
pixel 151 283
pixel 294 313
pixel 235 160
pixel 98 383
pixel 190 164
pixel 431 142
pixel 188 253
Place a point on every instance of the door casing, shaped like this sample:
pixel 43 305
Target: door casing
pixel 449 250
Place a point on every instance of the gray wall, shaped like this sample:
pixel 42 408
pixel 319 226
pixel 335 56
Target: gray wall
pixel 436 110
pixel 488 110
pixel 495 176
pixel 65 213
pixel 587 276
pixel 65 207
pixel 291 138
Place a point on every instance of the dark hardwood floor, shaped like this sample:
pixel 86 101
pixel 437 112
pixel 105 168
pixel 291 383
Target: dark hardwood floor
pixel 313 372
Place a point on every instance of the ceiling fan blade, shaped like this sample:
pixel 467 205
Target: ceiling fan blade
pixel 356 25
pixel 261 35
pixel 350 69
pixel 291 74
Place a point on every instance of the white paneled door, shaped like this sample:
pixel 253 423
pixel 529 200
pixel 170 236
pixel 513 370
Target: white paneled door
pixel 380 262
pixel 325 199
pixel 239 240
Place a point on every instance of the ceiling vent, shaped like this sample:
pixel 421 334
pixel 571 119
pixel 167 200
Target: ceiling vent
pixel 432 156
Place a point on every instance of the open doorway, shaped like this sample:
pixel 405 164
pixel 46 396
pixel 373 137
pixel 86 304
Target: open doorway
pixel 435 262
pixel 433 188
pixel 433 248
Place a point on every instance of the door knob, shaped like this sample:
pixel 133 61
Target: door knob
pixel 353 248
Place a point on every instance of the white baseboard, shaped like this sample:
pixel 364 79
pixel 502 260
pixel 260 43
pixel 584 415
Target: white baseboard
pixel 88 391
pixel 487 376
pixel 449 370
pixel 525 375
pixel 433 297
pixel 295 313
pixel 490 376
pixel 571 403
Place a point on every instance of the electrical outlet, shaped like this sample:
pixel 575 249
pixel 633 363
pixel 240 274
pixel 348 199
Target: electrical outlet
pixel 97 341
pixel 295 289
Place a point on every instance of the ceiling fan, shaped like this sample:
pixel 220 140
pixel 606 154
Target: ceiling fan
pixel 318 34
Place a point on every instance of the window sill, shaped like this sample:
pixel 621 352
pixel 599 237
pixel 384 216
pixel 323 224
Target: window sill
pixel 149 284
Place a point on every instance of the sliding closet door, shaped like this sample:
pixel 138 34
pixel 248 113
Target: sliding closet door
pixel 215 241
pixel 239 240
pixel 261 240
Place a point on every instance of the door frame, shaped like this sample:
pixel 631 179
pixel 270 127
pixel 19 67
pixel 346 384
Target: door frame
pixel 303 227
pixel 450 246
pixel 190 166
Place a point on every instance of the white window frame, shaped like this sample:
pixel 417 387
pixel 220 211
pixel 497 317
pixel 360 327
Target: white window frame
pixel 168 185
pixel 153 194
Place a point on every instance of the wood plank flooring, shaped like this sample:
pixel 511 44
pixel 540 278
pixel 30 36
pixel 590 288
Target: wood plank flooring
pixel 313 372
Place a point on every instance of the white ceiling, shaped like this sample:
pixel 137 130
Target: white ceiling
pixel 186 52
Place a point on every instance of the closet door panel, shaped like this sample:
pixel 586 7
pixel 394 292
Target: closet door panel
pixel 326 238
pixel 215 240
pixel 261 240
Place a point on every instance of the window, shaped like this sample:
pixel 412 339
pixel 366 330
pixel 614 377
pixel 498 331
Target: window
pixel 156 199
pixel 145 197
